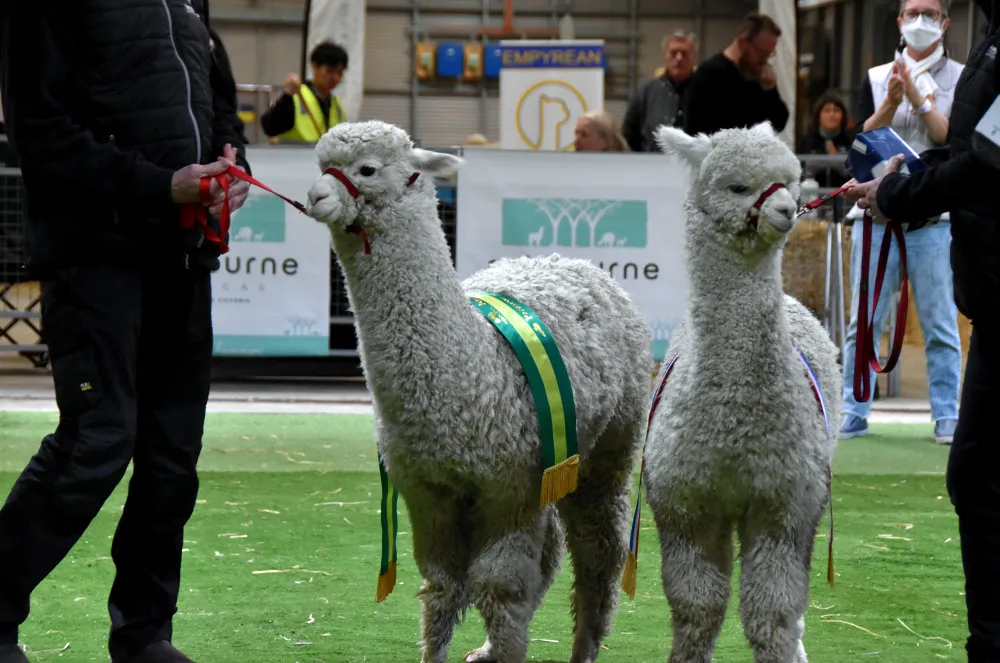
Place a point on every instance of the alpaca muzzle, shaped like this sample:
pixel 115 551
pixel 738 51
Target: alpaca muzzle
pixel 753 216
pixel 355 194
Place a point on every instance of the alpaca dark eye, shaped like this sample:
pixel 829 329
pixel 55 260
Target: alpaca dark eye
pixel 738 188
pixel 367 171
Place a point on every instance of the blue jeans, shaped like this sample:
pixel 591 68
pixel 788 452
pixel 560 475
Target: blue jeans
pixel 929 261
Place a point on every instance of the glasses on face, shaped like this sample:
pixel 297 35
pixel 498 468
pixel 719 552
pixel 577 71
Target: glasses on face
pixel 929 14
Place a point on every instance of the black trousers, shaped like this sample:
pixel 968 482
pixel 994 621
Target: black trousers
pixel 131 353
pixel 974 487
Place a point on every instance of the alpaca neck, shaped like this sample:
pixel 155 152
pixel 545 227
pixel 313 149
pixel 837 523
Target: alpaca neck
pixel 413 320
pixel 737 314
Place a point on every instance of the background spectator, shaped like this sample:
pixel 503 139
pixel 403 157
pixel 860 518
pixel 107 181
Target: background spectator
pixel 830 132
pixel 596 131
pixel 661 100
pixel 306 111
pixel 913 94
pixel 738 87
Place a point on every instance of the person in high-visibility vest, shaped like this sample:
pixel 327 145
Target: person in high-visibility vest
pixel 306 111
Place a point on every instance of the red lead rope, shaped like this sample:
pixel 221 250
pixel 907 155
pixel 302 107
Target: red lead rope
pixel 192 213
pixel 866 354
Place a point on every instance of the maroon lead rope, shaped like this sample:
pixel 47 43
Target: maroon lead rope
pixel 865 352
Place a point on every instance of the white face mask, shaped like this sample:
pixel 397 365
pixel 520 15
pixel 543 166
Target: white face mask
pixel 920 33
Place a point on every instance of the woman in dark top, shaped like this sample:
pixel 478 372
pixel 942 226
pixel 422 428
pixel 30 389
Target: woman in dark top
pixel 830 132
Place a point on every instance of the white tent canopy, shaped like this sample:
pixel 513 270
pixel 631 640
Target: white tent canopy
pixel 786 63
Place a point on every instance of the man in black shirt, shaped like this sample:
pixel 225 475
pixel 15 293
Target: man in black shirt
pixel 661 100
pixel 307 110
pixel 737 87
pixel 961 179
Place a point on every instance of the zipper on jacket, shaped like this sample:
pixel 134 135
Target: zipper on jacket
pixel 187 82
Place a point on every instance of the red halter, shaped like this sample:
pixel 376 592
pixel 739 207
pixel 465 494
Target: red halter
pixel 754 212
pixel 354 193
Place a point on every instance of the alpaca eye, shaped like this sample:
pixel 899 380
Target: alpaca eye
pixel 738 188
pixel 367 171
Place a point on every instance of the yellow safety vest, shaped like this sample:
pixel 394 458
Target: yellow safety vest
pixel 308 117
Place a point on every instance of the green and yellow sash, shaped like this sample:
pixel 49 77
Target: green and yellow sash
pixel 552 392
pixel 550 387
pixel 390 526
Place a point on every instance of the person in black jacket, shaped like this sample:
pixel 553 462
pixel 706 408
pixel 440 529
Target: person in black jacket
pixel 116 119
pixel 962 180
pixel 738 87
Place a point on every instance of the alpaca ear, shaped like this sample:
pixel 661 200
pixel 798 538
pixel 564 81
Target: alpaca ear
pixel 434 163
pixel 675 141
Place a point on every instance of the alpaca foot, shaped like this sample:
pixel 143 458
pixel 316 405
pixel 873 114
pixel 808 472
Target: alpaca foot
pixel 482 655
pixel 589 657
pixel 800 655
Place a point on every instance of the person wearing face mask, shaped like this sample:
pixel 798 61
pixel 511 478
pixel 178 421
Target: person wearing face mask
pixel 913 94
pixel 962 179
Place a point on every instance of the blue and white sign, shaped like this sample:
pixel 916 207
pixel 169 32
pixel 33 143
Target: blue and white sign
pixel 545 86
pixel 271 296
pixel 621 211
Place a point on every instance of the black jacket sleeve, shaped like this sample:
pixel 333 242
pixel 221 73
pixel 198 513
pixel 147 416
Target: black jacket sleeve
pixel 37 83
pixel 227 127
pixel 280 117
pixel 632 124
pixel 966 181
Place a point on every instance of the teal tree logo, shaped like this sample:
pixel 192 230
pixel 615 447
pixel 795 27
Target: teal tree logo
pixel 261 219
pixel 571 222
pixel 301 325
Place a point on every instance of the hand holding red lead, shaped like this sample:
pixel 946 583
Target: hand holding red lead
pixel 234 184
pixel 239 189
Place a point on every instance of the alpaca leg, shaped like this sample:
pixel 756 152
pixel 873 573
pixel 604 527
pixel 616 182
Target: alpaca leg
pixel 504 582
pixel 596 517
pixel 697 569
pixel 552 552
pixel 774 590
pixel 800 653
pixel 441 544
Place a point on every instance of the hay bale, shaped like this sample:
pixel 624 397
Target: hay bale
pixel 804 263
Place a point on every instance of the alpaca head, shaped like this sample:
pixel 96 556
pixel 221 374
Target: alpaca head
pixel 745 183
pixel 369 166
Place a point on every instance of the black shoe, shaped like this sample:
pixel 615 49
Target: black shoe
pixel 12 654
pixel 158 652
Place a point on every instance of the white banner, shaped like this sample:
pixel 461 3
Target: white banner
pixel 621 211
pixel 545 86
pixel 342 22
pixel 271 297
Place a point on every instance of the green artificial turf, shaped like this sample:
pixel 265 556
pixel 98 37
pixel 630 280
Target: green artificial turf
pixel 281 559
